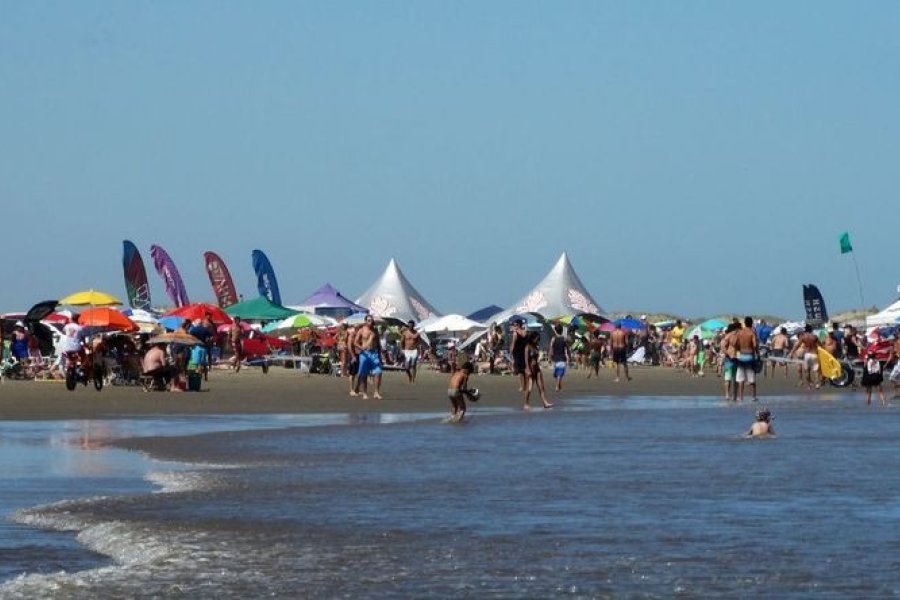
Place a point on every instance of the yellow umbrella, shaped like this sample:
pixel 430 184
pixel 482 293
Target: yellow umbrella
pixel 90 298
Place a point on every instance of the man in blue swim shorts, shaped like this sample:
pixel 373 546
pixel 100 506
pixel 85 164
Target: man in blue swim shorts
pixel 368 345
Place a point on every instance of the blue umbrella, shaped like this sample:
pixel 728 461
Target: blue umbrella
pixel 172 322
pixel 629 323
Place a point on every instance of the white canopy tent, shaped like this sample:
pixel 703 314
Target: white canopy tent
pixel 452 323
pixel 560 293
pixel 393 296
pixel 888 316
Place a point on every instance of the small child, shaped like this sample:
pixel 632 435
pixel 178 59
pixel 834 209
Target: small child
pixel 457 390
pixel 762 427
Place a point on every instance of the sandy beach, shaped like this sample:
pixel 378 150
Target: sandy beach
pixel 286 391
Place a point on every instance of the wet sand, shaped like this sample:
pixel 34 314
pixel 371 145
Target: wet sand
pixel 286 391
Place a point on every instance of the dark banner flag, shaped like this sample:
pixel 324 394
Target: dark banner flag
pixel 816 315
pixel 265 277
pixel 136 285
pixel 170 276
pixel 220 278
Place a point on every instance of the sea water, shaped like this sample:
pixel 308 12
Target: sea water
pixel 602 497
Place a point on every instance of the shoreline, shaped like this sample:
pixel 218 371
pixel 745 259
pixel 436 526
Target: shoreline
pixel 286 391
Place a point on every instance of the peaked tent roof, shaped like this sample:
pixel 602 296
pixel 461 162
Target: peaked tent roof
pixel 259 309
pixel 328 297
pixel 888 316
pixel 393 296
pixel 560 293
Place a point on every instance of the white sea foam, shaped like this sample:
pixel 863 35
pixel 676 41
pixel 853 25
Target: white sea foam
pixel 154 561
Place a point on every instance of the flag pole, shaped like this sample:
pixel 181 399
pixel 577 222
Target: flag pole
pixel 862 302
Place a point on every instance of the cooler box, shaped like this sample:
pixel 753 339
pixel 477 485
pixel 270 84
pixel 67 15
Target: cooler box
pixel 194 379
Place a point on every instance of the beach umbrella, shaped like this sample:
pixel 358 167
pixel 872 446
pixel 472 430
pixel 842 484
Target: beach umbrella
pixel 90 298
pixel 302 320
pixel 713 324
pixel 175 337
pixel 198 310
pixel 171 322
pixel 630 323
pixel 107 318
pixel 356 318
pixel 700 332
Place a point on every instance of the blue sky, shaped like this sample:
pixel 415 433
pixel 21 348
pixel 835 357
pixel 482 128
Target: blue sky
pixel 694 157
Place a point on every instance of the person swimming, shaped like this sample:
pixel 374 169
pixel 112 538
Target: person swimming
pixel 762 427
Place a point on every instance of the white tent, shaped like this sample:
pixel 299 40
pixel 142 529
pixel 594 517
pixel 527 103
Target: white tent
pixel 559 294
pixel 452 323
pixel 888 316
pixel 393 296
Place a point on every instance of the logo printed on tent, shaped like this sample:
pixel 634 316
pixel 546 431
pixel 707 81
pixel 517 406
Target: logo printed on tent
pixel 581 303
pixel 382 307
pixel 533 303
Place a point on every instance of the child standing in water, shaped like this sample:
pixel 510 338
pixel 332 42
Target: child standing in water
pixel 457 390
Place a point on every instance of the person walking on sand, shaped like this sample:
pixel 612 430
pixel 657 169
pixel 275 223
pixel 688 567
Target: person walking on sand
pixel 618 341
pixel 236 337
pixel 559 355
pixel 729 352
pixel 808 345
pixel 533 372
pixel 747 346
pixel 518 342
pixel 779 342
pixel 410 341
pixel 368 345
pixel 595 354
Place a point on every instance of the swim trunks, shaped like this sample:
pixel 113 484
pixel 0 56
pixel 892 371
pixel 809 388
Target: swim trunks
pixel 369 363
pixel 811 360
pixel 412 358
pixel 728 369
pixel 619 355
pixel 559 369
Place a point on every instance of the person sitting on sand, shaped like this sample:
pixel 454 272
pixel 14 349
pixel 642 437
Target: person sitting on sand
pixel 457 390
pixel 762 427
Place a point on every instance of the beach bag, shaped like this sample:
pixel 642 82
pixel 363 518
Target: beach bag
pixel 873 366
pixel 757 365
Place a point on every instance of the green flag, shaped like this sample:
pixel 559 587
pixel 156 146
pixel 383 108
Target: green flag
pixel 845 243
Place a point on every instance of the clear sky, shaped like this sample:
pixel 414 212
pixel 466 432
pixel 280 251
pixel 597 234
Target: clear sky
pixel 695 157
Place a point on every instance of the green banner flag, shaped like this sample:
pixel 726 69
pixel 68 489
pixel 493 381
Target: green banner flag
pixel 845 243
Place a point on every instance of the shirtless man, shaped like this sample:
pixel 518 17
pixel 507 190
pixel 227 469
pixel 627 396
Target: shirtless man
pixel 808 345
pixel 747 347
pixel 780 342
pixel 729 352
pixel 367 344
pixel 595 354
pixel 154 365
pixel 236 336
pixel 618 342
pixel 409 343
